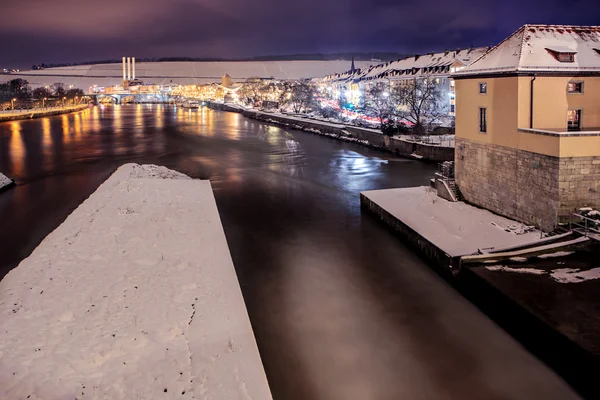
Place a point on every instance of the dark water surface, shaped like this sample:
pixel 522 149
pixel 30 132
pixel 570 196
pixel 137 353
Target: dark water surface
pixel 340 307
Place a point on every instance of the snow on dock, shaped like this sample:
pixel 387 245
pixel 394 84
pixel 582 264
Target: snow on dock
pixel 134 296
pixel 456 228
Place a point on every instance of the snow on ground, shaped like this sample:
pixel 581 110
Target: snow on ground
pixel 516 270
pixel 562 275
pixel 556 254
pixel 457 228
pixel 134 296
pixel 518 259
pixel 571 275
pixel 4 181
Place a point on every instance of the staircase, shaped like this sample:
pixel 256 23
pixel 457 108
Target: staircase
pixel 446 174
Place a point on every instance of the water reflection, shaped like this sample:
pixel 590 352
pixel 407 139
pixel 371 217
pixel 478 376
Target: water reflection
pixel 16 148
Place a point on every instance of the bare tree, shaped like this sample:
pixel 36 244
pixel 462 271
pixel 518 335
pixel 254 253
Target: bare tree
pixel 379 102
pixel 420 102
pixel 59 89
pixel 299 95
pixel 41 92
pixel 252 90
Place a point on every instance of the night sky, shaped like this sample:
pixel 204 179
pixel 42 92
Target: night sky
pixel 56 31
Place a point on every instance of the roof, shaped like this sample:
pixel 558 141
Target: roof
pixel 531 48
pixel 416 65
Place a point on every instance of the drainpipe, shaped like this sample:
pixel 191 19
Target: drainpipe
pixel 531 103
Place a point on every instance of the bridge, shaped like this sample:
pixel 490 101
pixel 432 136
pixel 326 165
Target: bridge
pixel 129 97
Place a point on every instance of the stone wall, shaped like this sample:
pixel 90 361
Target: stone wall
pixel 526 186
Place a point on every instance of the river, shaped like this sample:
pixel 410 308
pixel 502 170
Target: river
pixel 341 308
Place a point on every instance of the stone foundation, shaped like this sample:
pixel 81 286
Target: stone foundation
pixel 526 186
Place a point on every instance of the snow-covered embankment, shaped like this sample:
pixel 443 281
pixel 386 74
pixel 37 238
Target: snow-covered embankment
pixel 133 296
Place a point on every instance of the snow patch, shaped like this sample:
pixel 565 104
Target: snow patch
pixel 518 259
pixel 571 275
pixel 557 254
pixel 4 181
pixel 503 268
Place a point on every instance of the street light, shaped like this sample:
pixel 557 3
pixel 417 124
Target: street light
pixel 44 102
pixel 12 104
pixel 64 98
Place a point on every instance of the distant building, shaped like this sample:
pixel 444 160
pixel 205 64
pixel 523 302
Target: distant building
pixel 226 80
pixel 351 85
pixel 528 124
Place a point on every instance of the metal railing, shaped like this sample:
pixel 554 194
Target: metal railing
pixel 586 224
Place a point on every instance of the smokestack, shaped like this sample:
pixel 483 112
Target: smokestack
pixel 128 68
pixel 133 67
pixel 124 69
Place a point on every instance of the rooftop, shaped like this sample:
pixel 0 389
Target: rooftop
pixel 542 48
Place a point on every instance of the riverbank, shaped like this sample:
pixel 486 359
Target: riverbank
pixel 39 113
pixel 370 138
pixel 134 295
pixel 541 290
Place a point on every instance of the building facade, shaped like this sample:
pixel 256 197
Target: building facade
pixel 350 87
pixel 528 125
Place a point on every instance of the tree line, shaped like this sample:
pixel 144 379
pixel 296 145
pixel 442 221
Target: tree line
pixel 20 90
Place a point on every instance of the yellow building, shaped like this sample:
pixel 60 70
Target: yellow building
pixel 528 124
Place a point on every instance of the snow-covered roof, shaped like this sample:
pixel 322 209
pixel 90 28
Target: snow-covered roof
pixel 536 48
pixel 417 65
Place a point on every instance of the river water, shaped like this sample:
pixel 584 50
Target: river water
pixel 340 307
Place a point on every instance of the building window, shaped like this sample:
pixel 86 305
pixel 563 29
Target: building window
pixel 452 108
pixel 562 54
pixel 437 81
pixel 483 120
pixel 443 81
pixel 483 87
pixel 575 87
pixel 574 120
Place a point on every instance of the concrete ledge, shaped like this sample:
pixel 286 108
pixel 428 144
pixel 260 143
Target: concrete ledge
pixel 41 113
pixel 134 296
pixel 442 231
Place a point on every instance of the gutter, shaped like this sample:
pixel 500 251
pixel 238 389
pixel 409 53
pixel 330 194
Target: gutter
pixel 531 102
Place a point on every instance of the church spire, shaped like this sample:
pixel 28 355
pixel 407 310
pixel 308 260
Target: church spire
pixel 352 69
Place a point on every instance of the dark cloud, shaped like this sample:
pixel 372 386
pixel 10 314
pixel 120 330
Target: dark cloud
pixel 36 31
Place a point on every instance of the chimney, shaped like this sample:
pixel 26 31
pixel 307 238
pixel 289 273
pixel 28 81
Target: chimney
pixel 128 68
pixel 133 67
pixel 124 69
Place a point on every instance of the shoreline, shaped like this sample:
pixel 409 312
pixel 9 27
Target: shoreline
pixel 25 115
pixel 369 138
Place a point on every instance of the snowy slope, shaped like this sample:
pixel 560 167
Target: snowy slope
pixel 196 72
pixel 134 296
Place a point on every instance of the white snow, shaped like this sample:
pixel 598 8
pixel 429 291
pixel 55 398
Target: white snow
pixel 455 227
pixel 134 296
pixel 556 254
pixel 424 64
pixel 518 259
pixel 570 275
pixel 503 268
pixel 526 50
pixel 4 181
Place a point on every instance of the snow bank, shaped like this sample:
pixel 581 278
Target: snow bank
pixel 134 296
pixel 455 227
pixel 4 181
